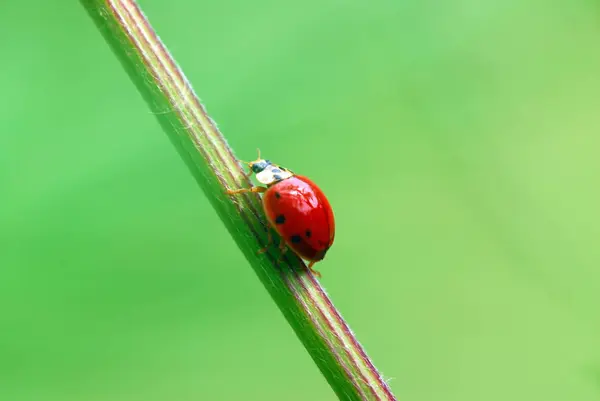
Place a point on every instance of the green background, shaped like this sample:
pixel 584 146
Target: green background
pixel 457 141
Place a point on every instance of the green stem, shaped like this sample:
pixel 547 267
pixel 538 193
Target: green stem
pixel 298 294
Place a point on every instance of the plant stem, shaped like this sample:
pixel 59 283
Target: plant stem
pixel 295 290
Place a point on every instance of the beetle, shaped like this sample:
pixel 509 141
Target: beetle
pixel 296 209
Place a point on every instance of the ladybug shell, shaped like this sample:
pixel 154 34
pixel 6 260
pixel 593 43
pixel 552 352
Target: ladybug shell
pixel 301 214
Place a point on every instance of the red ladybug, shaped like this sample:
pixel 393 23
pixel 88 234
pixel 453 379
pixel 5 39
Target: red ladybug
pixel 296 208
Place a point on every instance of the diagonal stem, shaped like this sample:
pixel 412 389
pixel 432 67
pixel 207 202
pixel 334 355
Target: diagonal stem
pixel 297 293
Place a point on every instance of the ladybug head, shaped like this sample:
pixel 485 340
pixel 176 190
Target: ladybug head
pixel 268 173
pixel 259 165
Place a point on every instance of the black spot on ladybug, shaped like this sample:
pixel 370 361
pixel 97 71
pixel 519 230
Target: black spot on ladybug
pixel 276 170
pixel 280 219
pixel 277 195
pixel 277 176
pixel 296 239
pixel 308 233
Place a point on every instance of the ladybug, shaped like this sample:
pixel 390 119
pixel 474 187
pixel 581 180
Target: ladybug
pixel 296 209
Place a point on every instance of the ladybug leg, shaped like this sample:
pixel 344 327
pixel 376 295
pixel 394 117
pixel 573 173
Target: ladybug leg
pixel 269 242
pixel 249 173
pixel 283 248
pixel 313 271
pixel 244 190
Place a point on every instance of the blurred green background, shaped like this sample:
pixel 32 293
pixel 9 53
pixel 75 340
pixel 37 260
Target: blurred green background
pixel 457 141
